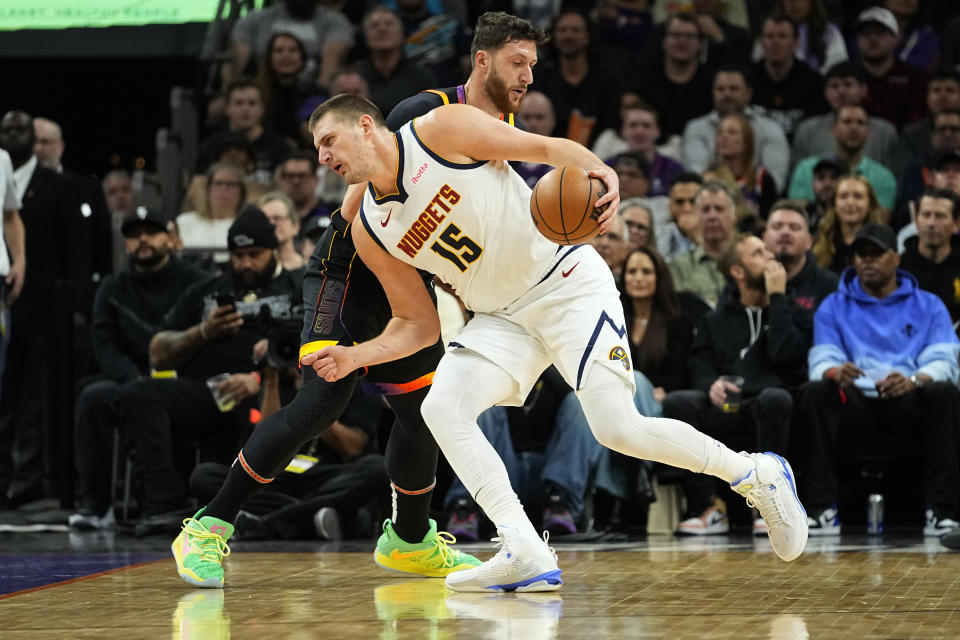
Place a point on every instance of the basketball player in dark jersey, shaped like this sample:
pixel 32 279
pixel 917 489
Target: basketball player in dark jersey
pixel 346 305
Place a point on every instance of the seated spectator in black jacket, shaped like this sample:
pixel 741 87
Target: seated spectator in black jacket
pixel 933 255
pixel 758 332
pixel 211 329
pixel 787 236
pixel 321 489
pixel 127 311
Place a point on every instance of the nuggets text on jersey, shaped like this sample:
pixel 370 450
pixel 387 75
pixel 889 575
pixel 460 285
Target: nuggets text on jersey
pixel 428 221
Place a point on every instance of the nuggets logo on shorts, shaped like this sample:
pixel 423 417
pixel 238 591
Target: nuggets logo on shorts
pixel 619 353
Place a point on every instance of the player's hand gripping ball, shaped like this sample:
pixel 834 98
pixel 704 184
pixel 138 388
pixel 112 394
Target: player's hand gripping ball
pixel 562 205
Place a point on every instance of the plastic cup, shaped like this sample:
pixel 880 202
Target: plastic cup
pixel 224 403
pixel 731 403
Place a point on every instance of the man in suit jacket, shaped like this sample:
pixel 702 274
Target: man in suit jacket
pixel 37 385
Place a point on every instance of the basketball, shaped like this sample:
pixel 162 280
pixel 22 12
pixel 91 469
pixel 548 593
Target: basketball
pixel 562 205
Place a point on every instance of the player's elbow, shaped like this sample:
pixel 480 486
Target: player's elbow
pixel 430 332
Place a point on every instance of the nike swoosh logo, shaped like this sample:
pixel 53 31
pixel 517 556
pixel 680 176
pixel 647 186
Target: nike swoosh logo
pixel 384 222
pixel 396 554
pixel 569 271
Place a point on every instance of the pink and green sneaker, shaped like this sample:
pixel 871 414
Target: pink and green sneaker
pixel 200 549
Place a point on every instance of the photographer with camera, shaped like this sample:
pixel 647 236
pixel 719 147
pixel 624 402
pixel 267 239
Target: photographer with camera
pixel 209 341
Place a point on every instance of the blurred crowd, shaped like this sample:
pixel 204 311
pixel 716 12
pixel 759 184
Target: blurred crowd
pixel 789 173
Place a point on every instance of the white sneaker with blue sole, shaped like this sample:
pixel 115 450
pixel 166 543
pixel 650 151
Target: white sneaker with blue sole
pixel 770 488
pixel 521 565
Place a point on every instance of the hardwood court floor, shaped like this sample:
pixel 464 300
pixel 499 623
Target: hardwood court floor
pixel 663 588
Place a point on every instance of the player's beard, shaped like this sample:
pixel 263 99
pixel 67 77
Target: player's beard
pixel 499 93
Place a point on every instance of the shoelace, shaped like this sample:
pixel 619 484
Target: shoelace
pixel 446 553
pixel 768 511
pixel 546 538
pixel 213 548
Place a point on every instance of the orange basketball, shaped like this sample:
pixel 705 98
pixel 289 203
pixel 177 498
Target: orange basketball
pixel 562 205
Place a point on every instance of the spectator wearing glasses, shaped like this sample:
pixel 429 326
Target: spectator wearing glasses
pixel 682 233
pixel 281 214
pixel 634 173
pixel 206 227
pixel 638 222
pixel 680 80
pixel 297 178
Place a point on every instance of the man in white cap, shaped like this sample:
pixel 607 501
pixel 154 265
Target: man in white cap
pixel 896 91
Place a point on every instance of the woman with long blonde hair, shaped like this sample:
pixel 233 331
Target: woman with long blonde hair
pixel 854 205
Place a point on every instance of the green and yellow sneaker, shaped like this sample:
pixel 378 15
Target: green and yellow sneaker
pixel 200 548
pixel 430 557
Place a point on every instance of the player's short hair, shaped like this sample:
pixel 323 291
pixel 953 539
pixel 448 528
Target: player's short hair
pixel 496 28
pixel 346 107
pixel 791 204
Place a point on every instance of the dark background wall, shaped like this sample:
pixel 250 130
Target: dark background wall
pixel 108 88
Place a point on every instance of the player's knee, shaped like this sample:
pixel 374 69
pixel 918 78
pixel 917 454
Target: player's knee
pixel 611 416
pixel 434 408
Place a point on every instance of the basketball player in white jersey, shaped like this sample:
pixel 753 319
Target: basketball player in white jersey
pixel 440 197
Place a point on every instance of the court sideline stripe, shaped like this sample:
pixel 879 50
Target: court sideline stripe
pixel 79 578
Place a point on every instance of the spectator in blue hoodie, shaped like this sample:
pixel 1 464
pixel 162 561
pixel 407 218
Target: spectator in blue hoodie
pixel 883 365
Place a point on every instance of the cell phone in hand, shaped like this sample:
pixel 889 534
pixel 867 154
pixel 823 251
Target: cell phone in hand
pixel 225 299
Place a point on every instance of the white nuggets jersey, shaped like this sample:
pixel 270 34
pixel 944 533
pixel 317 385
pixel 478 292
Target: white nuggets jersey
pixel 469 224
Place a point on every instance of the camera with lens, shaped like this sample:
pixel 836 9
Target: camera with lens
pixel 283 336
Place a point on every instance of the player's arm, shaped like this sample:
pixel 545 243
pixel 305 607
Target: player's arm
pixel 414 326
pixel 352 200
pixel 463 133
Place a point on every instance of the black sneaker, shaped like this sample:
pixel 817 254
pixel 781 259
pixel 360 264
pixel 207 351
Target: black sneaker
pixel 824 521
